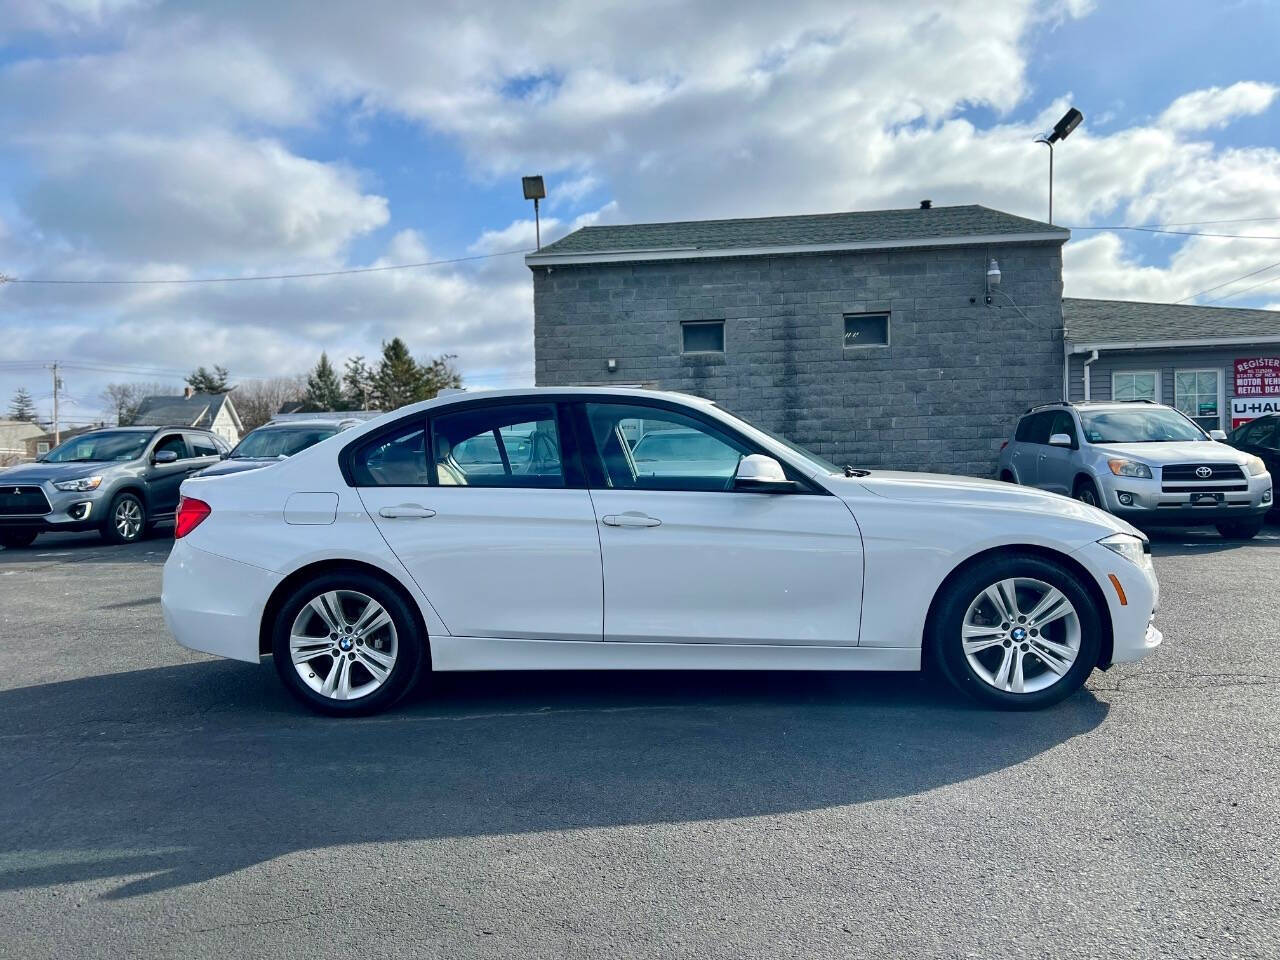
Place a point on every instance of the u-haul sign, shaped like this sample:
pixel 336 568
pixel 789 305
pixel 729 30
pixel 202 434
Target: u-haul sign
pixel 1244 409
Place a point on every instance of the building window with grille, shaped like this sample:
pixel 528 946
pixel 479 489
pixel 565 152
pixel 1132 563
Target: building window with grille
pixel 1134 385
pixel 1196 393
pixel 866 330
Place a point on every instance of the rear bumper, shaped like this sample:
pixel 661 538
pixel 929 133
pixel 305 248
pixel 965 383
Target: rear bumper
pixel 213 604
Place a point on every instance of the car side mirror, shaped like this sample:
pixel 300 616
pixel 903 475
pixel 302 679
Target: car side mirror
pixel 760 474
pixel 1217 434
pixel 164 456
pixel 1060 440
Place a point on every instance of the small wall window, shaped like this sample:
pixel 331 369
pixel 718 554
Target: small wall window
pixel 866 329
pixel 1134 385
pixel 1195 393
pixel 702 336
pixel 42 446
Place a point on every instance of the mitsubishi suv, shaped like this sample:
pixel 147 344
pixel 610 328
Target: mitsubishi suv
pixel 1142 461
pixel 119 481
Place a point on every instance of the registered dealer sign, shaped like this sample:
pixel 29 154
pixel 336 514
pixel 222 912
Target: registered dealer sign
pixel 1257 389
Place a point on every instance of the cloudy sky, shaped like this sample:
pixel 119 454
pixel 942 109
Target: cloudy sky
pixel 147 140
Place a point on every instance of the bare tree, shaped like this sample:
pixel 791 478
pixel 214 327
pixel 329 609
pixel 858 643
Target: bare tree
pixel 123 399
pixel 257 401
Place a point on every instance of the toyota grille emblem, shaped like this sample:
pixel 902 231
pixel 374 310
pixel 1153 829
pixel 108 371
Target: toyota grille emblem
pixel 17 491
pixel 1204 473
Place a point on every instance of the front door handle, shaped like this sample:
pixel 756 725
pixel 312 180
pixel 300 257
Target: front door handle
pixel 631 519
pixel 406 511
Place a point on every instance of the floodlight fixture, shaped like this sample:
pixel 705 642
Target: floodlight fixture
pixel 535 189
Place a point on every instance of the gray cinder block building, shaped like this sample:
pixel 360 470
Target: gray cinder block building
pixel 873 338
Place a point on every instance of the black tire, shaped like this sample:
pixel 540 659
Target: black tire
pixel 1007 477
pixel 411 645
pixel 1086 491
pixel 11 539
pixel 946 622
pixel 112 531
pixel 1241 529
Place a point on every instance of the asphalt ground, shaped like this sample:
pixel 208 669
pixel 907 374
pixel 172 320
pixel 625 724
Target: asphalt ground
pixel 157 803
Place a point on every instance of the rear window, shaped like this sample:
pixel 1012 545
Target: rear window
pixel 1034 428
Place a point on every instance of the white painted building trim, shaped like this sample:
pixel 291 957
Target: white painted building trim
pixel 707 253
pixel 1088 347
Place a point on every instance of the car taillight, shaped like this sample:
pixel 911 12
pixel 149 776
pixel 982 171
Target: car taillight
pixel 191 513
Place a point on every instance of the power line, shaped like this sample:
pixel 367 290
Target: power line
pixel 274 276
pixel 1190 233
pixel 1181 223
pixel 1244 290
pixel 1226 283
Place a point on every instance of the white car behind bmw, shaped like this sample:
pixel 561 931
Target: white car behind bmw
pixel 394 547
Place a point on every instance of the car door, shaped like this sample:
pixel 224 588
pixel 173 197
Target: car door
pixel 502 542
pixel 164 479
pixel 689 559
pixel 1055 466
pixel 1025 454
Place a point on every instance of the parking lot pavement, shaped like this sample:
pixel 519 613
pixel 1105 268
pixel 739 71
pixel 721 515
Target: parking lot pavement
pixel 157 803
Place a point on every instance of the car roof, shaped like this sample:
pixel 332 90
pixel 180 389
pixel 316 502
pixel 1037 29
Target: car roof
pixel 305 424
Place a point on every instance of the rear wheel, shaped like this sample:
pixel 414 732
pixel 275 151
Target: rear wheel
pixel 1241 529
pixel 1019 632
pixel 126 519
pixel 9 539
pixel 345 643
pixel 1086 491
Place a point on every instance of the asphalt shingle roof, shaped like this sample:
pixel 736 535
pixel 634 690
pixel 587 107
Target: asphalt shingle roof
pixel 198 410
pixel 862 227
pixel 1128 321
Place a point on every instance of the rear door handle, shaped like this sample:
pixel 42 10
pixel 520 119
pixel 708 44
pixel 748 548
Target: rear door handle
pixel 631 520
pixel 406 511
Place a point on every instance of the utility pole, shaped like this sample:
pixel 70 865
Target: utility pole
pixel 57 385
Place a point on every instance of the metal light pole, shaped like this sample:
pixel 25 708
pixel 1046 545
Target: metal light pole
pixel 535 190
pixel 1061 130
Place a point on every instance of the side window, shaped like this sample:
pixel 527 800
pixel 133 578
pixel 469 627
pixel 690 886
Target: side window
pixel 202 446
pixel 175 443
pixel 397 459
pixel 1260 434
pixel 649 448
pixel 512 445
pixel 1062 423
pixel 1023 433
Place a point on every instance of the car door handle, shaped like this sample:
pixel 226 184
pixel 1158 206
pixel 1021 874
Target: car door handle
pixel 406 511
pixel 631 520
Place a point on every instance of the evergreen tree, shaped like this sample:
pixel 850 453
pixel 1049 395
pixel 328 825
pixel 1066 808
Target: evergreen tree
pixel 399 380
pixel 22 407
pixel 324 391
pixel 202 380
pixel 441 374
pixel 357 388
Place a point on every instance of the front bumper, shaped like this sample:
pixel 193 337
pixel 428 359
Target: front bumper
pixel 1152 502
pixel 1133 630
pixel 68 511
pixel 213 604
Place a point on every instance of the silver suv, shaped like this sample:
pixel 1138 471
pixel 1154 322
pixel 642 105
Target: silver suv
pixel 1141 461
pixel 119 481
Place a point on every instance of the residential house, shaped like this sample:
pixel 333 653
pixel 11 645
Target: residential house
pixel 211 411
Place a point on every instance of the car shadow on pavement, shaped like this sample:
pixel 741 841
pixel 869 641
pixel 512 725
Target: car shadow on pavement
pixel 172 776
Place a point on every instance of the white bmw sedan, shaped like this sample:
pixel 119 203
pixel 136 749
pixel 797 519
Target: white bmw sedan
pixel 518 530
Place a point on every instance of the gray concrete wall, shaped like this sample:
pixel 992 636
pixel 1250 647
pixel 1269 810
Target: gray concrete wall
pixel 942 396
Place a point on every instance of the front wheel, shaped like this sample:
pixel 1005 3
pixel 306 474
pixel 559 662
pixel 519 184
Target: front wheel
pixel 1018 633
pixel 126 519
pixel 9 539
pixel 1086 491
pixel 1240 529
pixel 346 643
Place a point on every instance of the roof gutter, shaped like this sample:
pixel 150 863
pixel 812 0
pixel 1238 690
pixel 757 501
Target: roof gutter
pixel 550 259
pixel 1095 345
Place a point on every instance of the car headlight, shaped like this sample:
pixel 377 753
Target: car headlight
pixel 1129 468
pixel 1254 466
pixel 81 485
pixel 1134 549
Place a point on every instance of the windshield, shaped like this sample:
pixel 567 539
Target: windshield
pixel 1138 426
pixel 270 443
pixel 821 463
pixel 112 445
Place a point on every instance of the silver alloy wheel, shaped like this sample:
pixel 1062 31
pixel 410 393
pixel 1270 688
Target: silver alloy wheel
pixel 1085 495
pixel 128 519
pixel 1021 635
pixel 343 644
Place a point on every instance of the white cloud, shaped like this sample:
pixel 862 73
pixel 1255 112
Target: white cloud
pixel 1218 106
